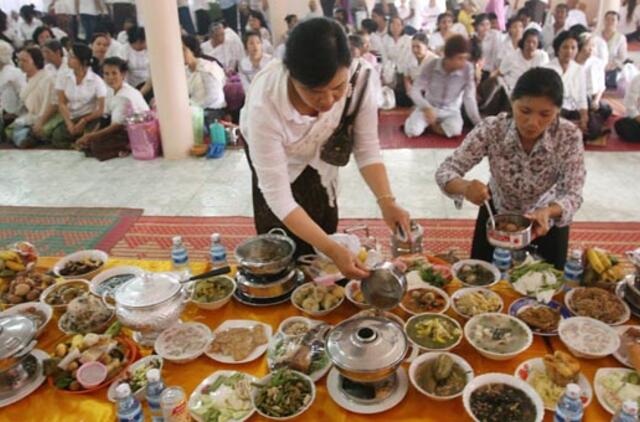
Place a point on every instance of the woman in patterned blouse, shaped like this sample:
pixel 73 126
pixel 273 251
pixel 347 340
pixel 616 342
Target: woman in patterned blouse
pixel 536 160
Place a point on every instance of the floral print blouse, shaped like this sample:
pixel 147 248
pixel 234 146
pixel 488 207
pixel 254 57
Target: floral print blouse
pixel 552 172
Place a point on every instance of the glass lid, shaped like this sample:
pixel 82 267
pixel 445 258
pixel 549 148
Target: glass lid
pixel 16 332
pixel 147 289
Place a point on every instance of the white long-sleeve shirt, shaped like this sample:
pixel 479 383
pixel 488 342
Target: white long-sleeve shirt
pixel 36 97
pixel 248 71
pixel 574 82
pixel 397 52
pixel 12 82
pixel 632 98
pixel 617 48
pixel 594 72
pixel 514 65
pixel 206 85
pixel 282 142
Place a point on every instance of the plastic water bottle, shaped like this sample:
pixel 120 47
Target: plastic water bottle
pixel 217 253
pixel 573 269
pixel 128 408
pixel 570 407
pixel 180 257
pixel 218 140
pixel 502 260
pixel 628 413
pixel 155 386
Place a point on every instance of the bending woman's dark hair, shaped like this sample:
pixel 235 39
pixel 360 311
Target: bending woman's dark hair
pixel 122 65
pixel 83 53
pixel 36 56
pixel 539 82
pixel 561 38
pixel 327 40
pixel 39 30
pixel 28 12
pixel 136 34
pixel 192 43
pixel 531 32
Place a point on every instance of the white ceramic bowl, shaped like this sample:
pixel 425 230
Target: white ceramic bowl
pixel 428 357
pixel 40 306
pixel 429 349
pixel 572 330
pixel 496 378
pixel 59 309
pixel 310 323
pixel 254 394
pixel 467 290
pixel 440 292
pixel 112 272
pixel 160 345
pixel 494 355
pixel 623 318
pixel 350 290
pixel 455 269
pixel 140 393
pixel 316 313
pixel 216 304
pixel 79 256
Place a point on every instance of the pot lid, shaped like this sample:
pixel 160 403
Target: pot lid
pixel 147 289
pixel 367 344
pixel 16 332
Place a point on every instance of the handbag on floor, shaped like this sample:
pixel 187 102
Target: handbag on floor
pixel 144 139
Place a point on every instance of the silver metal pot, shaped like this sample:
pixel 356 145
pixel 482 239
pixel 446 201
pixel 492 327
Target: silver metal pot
pixel 17 340
pixel 367 349
pixel 266 254
pixel 402 245
pixel 267 290
pixel 632 289
pixel 505 239
pixel 385 287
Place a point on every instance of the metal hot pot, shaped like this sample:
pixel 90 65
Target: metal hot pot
pixel 18 367
pixel 266 254
pixel 516 239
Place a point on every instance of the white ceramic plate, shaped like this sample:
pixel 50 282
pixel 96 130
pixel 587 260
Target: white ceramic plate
pixel 601 393
pixel 140 393
pixel 344 401
pixel 468 290
pixel 43 307
pixel 438 291
pixel 210 380
pixel 527 368
pixel 240 323
pixel 621 330
pixel 33 386
pixel 310 323
pixel 623 319
pixel 187 356
pixel 458 266
pixel 254 393
pixel 316 313
pixel 428 357
pixel 79 256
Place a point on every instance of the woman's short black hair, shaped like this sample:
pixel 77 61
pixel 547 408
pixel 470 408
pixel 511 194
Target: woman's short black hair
pixel 53 45
pixel 258 15
pixel 391 19
pixel 539 82
pixel 290 18
pixel 28 11
pixel 136 34
pixel 39 30
pixel 97 35
pixel 444 15
pixel 83 53
pixel 531 32
pixel 36 56
pixel 456 44
pixel 561 38
pixel 479 18
pixel 513 20
pixel 328 42
pixel 612 12
pixel 122 65
pixel 192 43
pixel 421 37
pixel 249 34
pixel 369 25
pixel 66 42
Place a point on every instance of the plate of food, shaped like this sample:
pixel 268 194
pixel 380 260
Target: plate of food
pixel 16 259
pixel 213 293
pixel 543 318
pixel 283 394
pixel 239 341
pixel 353 292
pixel 476 273
pixel 550 375
pixel 317 300
pixel 588 338
pixel 629 334
pixel 297 326
pixel 434 275
pixel 502 397
pixel 433 332
pixel 223 396
pixel 136 377
pixel 59 295
pixel 440 376
pixel 81 264
pixel 614 386
pixel 471 301
pixel 421 300
pixel 39 312
pixel 26 287
pixel 304 353
pixel 183 342
pixel 537 279
pixel 498 336
pixel 108 281
pixel 85 314
pixel 597 303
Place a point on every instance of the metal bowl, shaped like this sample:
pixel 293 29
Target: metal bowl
pixel 266 254
pixel 268 290
pixel 507 239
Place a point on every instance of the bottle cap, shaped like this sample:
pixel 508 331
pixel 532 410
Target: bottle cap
pixel 576 254
pixel 573 391
pixel 630 407
pixel 153 375
pixel 215 238
pixel 123 390
pixel 177 240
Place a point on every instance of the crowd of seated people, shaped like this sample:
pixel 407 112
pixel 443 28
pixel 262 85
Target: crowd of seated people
pixel 71 83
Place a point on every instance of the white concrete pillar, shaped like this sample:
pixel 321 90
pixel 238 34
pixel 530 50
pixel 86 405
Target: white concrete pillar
pixel 278 9
pixel 605 6
pixel 168 74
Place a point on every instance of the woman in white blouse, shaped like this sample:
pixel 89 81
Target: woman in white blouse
pixel 489 39
pixel 12 81
pixel 630 19
pixel 617 46
pixel 438 38
pixel 421 55
pixel 594 72
pixel 123 100
pixel 291 112
pixel 254 61
pixel 28 23
pixel 137 57
pixel 628 128
pixel 396 52
pixel 257 23
pixel 81 95
pixel 36 96
pixel 510 44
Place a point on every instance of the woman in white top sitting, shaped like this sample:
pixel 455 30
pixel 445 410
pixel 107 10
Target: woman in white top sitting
pixel 123 100
pixel 420 56
pixel 12 81
pixel 445 30
pixel 254 61
pixel 617 46
pixel 396 51
pixel 489 39
pixel 628 128
pixel 36 97
pixel 81 95
pixel 41 35
pixel 291 112
pixel 594 72
pixel 575 106
pixel 28 23
pixel 630 20
pixel 205 80
pixel 257 23
pixel 137 57
pixel 511 43
pixel 99 47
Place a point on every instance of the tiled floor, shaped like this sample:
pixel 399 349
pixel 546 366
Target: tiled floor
pixel 199 187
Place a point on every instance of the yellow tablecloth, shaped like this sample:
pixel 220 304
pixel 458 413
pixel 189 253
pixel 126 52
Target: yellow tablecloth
pixel 48 404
